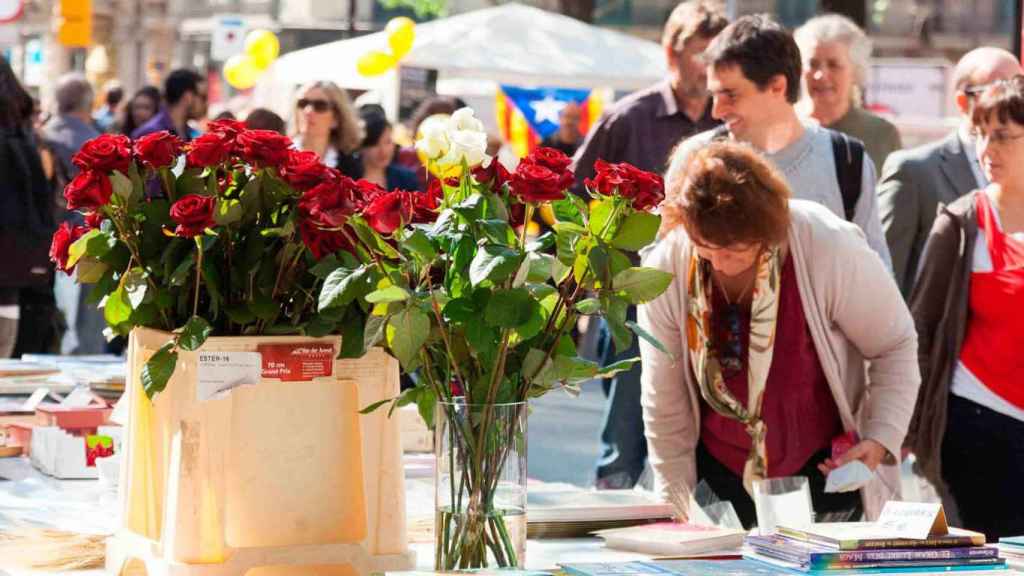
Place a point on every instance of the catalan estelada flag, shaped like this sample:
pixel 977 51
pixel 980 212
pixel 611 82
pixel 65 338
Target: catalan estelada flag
pixel 526 116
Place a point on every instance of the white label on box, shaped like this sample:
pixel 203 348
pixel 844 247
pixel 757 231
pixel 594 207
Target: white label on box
pixel 219 372
pixel 80 397
pixel 913 519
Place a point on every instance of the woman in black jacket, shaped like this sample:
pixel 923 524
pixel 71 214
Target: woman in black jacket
pixel 26 207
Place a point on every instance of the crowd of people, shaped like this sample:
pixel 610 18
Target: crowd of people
pixel 830 288
pixel 815 304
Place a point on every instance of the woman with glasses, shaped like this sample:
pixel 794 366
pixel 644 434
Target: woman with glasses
pixel 326 123
pixel 775 306
pixel 968 305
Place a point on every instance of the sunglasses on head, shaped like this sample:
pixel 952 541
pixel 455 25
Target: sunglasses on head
pixel 318 105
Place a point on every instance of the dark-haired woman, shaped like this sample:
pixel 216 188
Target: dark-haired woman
pixel 145 103
pixel 378 154
pixel 968 305
pixel 775 306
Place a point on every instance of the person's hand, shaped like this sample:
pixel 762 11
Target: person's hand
pixel 870 452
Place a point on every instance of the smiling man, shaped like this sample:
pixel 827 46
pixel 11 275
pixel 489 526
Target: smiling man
pixel 753 70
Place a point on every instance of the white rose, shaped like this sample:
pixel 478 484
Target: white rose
pixel 469 145
pixel 463 119
pixel 434 140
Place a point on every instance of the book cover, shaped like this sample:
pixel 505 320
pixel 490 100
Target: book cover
pixel 818 555
pixel 1013 541
pixel 672 538
pixel 792 568
pixel 867 536
pixel 743 567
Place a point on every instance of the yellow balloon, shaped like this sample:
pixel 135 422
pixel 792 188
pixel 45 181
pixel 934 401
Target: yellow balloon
pixel 401 34
pixel 263 47
pixel 375 62
pixel 241 72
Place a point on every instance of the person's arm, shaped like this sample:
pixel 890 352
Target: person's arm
pixel 899 210
pixel 929 302
pixel 866 213
pixel 866 306
pixel 668 412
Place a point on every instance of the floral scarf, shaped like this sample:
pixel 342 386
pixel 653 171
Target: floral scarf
pixel 703 356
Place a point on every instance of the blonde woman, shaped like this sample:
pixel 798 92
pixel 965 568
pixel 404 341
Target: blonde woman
pixel 836 55
pixel 326 123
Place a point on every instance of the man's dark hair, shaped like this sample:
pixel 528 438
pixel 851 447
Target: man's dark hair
pixel 180 82
pixel 762 48
pixel 114 96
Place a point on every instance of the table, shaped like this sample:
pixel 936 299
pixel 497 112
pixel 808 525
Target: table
pixel 89 506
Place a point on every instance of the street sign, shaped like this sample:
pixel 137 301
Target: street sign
pixel 75 29
pixel 228 37
pixel 910 87
pixel 10 10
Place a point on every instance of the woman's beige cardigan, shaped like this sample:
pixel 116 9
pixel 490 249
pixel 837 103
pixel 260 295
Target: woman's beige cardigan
pixel 855 314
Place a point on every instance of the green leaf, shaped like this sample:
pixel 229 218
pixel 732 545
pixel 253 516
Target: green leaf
pixel 371 238
pixel 471 208
pixel 618 261
pixel 598 260
pixel 615 313
pixel 80 247
pixel 325 266
pixel 105 285
pixel 90 270
pixel 353 326
pixel 616 367
pixel 542 243
pixel 345 285
pixel 389 294
pixel 264 307
pixel 589 306
pixel 460 310
pixel 117 309
pixel 158 370
pixel 228 211
pixel 600 212
pixel 647 336
pixel 183 271
pixel 121 185
pixel 374 332
pixel 194 333
pixel 532 362
pixel 419 244
pixel 498 231
pixel 369 409
pixel 407 331
pixel 240 314
pixel 483 339
pixel 509 308
pixel 534 324
pixel 320 325
pixel 641 285
pixel 135 286
pixel 569 209
pixel 637 230
pixel 425 404
pixel 494 263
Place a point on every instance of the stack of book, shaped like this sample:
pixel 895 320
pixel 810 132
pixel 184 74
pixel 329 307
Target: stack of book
pixel 830 549
pixel 1012 549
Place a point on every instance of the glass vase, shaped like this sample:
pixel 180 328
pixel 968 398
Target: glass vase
pixel 480 518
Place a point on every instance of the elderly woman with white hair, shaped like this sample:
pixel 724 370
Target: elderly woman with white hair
pixel 836 55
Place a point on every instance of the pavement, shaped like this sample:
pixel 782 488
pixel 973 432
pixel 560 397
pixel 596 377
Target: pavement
pixel 564 434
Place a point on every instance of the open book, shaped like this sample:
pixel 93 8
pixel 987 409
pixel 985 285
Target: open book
pixel 673 539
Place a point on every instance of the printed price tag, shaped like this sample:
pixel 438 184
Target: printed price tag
pixel 913 519
pixel 219 372
pixel 297 362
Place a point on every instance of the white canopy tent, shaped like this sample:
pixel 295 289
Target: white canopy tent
pixel 473 52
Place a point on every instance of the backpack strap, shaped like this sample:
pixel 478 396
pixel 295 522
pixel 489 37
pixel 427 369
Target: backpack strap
pixel 848 154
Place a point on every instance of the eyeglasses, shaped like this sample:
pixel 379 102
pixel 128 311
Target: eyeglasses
pixel 996 138
pixel 318 105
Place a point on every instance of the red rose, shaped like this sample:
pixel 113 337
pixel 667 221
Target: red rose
pixel 105 153
pixel 88 191
pixel 365 192
pixel 303 170
pixel 645 189
pixel 63 238
pixel 536 183
pixel 322 240
pixel 264 147
pixel 329 203
pixel 193 214
pixel 209 149
pixel 231 128
pixel 158 149
pixel 425 204
pixel 389 211
pixel 550 158
pixel 93 219
pixel 495 175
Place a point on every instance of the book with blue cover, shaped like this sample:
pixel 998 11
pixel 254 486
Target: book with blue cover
pixel 753 567
pixel 823 557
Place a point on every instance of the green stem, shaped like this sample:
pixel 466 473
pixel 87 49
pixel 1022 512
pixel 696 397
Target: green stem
pixel 199 273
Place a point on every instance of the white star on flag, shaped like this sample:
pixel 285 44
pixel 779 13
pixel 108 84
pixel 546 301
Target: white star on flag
pixel 547 110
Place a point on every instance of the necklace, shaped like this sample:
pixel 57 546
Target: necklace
pixel 743 294
pixel 729 349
